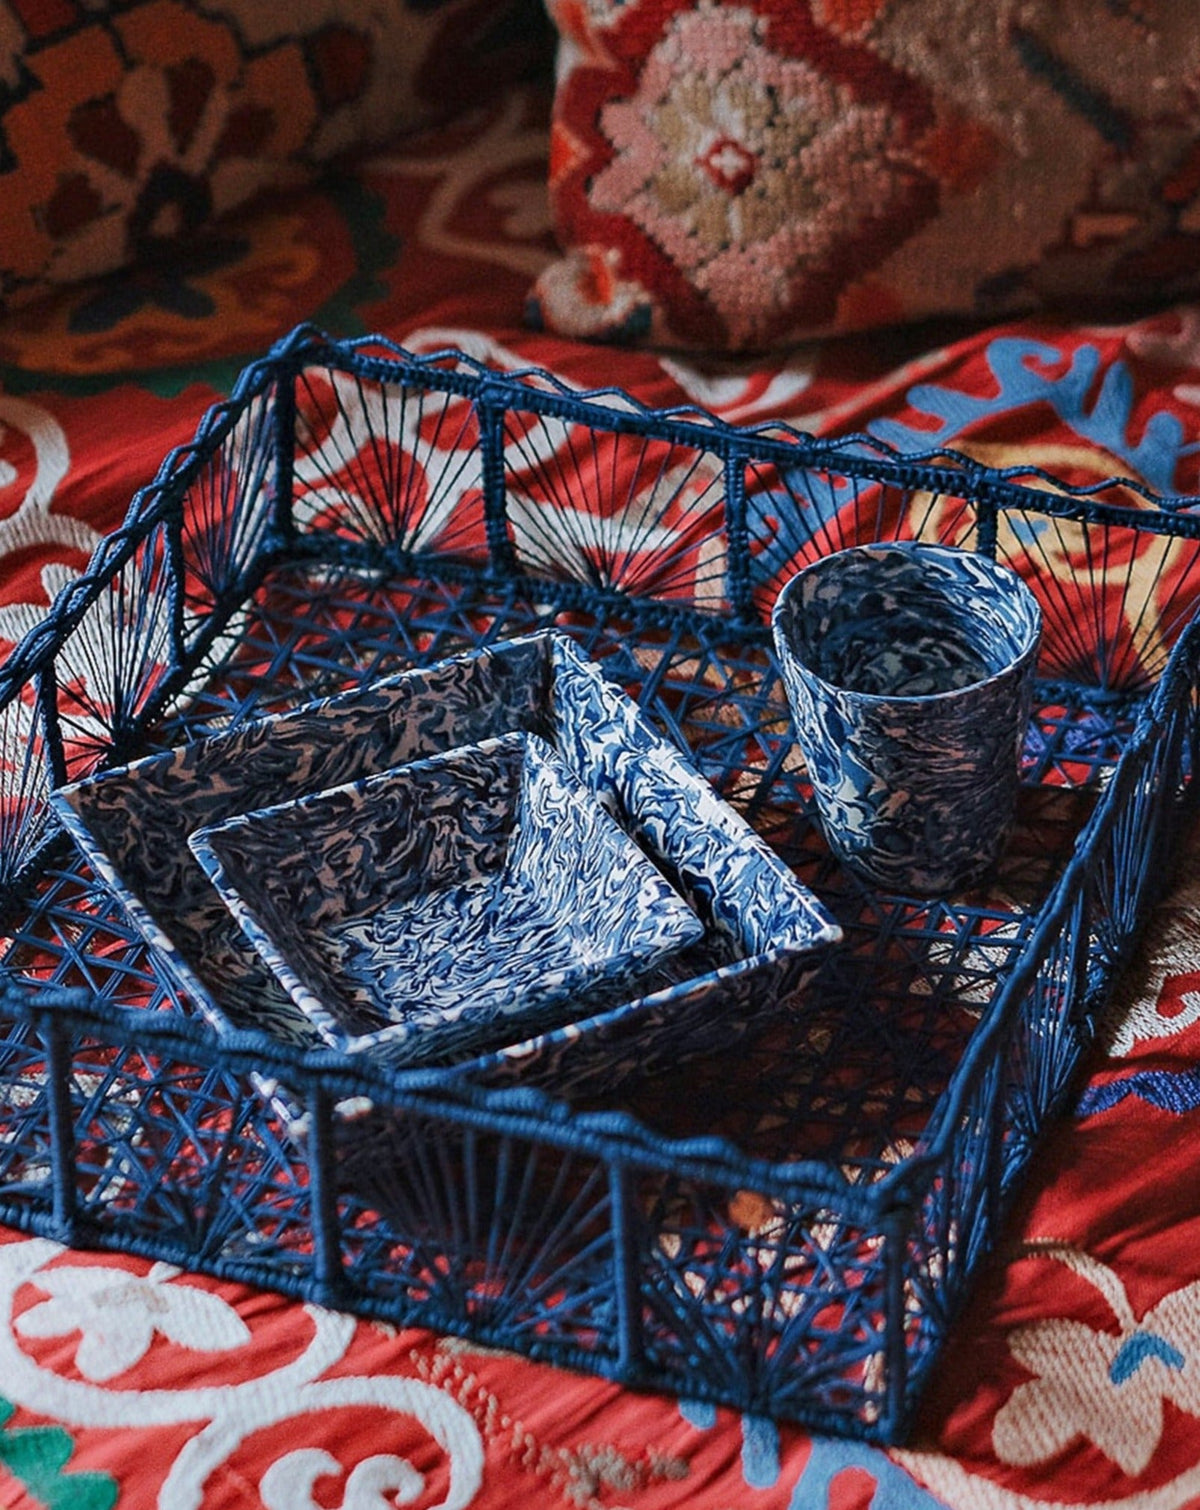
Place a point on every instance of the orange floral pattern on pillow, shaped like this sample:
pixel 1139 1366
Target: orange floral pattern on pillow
pixel 743 175
pixel 126 126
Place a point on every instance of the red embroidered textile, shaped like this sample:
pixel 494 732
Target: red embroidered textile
pixel 1074 1376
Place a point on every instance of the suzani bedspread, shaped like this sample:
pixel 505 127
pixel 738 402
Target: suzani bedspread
pixel 1073 1376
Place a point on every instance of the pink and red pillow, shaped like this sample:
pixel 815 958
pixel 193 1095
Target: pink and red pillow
pixel 742 175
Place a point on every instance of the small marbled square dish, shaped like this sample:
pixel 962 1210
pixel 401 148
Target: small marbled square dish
pixel 438 908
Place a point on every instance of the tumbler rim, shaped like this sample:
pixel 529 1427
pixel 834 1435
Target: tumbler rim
pixel 1006 578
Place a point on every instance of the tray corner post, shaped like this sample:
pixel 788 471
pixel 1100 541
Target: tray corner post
pixel 52 1032
pixel 329 1280
pixel 625 1273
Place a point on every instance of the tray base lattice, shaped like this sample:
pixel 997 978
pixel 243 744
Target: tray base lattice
pixel 788 1225
pixel 896 1005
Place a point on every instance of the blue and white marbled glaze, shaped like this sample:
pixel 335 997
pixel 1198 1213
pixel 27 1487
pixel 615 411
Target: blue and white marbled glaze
pixel 441 907
pixel 132 823
pixel 909 669
pixel 764 931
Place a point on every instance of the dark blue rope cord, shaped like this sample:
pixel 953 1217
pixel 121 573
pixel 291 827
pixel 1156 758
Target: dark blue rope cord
pixel 950 1031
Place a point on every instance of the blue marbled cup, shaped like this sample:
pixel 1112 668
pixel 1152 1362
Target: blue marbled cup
pixel 909 671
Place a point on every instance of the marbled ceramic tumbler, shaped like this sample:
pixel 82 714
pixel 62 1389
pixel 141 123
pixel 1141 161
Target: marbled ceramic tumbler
pixel 909 671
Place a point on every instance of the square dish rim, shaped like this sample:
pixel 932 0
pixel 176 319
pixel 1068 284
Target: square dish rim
pixel 682 927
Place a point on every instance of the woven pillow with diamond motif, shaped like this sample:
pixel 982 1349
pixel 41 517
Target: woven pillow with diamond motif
pixel 742 175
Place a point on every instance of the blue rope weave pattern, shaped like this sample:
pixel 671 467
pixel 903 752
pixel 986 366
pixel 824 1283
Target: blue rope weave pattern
pixel 787 1221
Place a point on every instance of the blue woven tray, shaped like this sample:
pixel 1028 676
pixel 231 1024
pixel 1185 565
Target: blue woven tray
pixel 788 1224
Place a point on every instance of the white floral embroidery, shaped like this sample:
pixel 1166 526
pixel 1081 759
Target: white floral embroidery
pixel 288 1391
pixel 1106 1385
pixel 1168 950
pixel 288 1482
pixel 740 391
pixel 118 1313
pixel 17 619
pixel 32 522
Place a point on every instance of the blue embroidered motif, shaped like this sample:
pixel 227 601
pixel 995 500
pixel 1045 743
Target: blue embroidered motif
pixel 1018 367
pixel 895 1490
pixel 784 521
pixel 1175 1091
pixel 760 1441
pixel 1137 1349
pixel 702 1414
pixel 760 1452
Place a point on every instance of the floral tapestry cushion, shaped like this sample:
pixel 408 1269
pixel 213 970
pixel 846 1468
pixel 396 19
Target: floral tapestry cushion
pixel 125 124
pixel 742 175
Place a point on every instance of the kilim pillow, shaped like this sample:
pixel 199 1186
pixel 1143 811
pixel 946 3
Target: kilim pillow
pixel 742 175
pixel 125 124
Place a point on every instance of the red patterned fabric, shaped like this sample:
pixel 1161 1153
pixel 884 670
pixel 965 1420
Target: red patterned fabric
pixel 1072 1379
pixel 126 129
pixel 741 176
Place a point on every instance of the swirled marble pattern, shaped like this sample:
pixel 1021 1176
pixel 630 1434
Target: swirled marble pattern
pixel 437 908
pixel 763 929
pixel 132 823
pixel 909 669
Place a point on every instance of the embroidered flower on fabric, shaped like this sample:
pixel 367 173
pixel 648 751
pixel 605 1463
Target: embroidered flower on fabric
pixel 743 166
pixel 117 1314
pixel 168 124
pixel 379 1480
pixel 1108 1385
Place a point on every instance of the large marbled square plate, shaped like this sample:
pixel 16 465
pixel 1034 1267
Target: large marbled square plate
pixel 449 904
pixel 764 931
